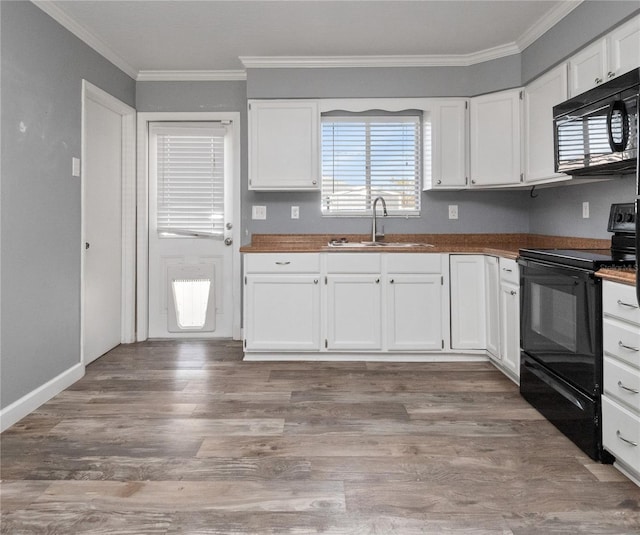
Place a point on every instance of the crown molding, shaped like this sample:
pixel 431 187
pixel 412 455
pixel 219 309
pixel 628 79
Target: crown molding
pixel 60 16
pixel 191 76
pixel 546 22
pixel 326 62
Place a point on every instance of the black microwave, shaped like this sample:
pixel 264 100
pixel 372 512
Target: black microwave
pixel 596 133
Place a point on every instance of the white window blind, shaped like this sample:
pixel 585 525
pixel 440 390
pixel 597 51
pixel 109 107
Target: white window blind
pixel 190 179
pixel 364 157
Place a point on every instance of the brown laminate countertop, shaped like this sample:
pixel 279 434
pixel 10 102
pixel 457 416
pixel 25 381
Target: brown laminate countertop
pixel 622 275
pixel 504 245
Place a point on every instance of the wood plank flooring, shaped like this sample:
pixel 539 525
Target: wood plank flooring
pixel 185 437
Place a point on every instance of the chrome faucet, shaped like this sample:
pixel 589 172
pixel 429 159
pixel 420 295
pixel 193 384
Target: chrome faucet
pixel 374 231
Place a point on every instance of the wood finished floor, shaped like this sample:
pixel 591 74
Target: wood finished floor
pixel 169 438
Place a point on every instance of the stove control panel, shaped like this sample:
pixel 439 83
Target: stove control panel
pixel 622 218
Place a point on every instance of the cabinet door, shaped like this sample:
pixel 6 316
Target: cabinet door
pixel 354 315
pixel 282 312
pixel 624 48
pixel 414 312
pixel 495 138
pixel 492 286
pixel 510 328
pixel 468 307
pixel 539 99
pixel 448 145
pixel 284 145
pixel 588 68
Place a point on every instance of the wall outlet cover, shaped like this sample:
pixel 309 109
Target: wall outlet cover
pixel 585 210
pixel 453 211
pixel 258 212
pixel 295 212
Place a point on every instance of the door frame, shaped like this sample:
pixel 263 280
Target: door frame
pixel 128 239
pixel 144 118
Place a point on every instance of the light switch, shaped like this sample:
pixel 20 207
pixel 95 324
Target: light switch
pixel 75 166
pixel 585 210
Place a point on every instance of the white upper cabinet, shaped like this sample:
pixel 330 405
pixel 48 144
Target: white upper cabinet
pixel 284 145
pixel 611 56
pixel 624 48
pixel 495 138
pixel 588 68
pixel 448 136
pixel 540 96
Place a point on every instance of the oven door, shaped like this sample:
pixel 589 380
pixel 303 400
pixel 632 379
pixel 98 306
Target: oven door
pixel 560 322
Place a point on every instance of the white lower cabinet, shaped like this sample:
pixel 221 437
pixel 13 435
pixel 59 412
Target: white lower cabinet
pixel 354 313
pixel 414 312
pixel 621 377
pixel 492 285
pixel 282 302
pixel 468 302
pixel 510 328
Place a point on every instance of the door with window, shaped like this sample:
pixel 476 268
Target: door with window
pixel 190 203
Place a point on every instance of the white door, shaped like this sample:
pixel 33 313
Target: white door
pixel 190 215
pixel 102 298
pixel 468 302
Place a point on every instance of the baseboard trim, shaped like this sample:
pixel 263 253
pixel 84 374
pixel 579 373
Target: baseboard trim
pixel 364 357
pixel 30 402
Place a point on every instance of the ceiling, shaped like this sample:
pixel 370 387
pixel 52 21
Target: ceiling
pixel 146 38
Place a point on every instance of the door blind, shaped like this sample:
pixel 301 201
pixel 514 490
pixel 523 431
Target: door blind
pixel 190 179
pixel 364 157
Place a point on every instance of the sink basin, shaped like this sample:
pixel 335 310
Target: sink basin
pixel 358 244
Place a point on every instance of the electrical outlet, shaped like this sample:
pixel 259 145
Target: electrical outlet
pixel 585 210
pixel 75 166
pixel 295 212
pixel 258 212
pixel 453 211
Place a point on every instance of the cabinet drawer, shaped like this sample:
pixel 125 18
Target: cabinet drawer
pixel 282 263
pixel 414 263
pixel 622 382
pixel 509 271
pixel 620 300
pixel 621 341
pixel 353 263
pixel 621 433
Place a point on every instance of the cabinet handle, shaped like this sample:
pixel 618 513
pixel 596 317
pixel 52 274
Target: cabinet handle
pixel 377 281
pixel 391 281
pixel 630 442
pixel 630 348
pixel 623 304
pixel 283 263
pixel 513 292
pixel 611 74
pixel 439 182
pixel 473 181
pixel 315 281
pixel 632 390
pixel 598 80
pixel 314 182
pixel 507 269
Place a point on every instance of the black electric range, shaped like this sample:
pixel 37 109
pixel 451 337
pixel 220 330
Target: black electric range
pixel 561 330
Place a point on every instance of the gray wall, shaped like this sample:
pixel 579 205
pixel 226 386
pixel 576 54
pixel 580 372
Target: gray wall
pixel 558 211
pixel 373 82
pixel 42 70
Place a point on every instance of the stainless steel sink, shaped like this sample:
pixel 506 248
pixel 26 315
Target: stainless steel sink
pixel 360 244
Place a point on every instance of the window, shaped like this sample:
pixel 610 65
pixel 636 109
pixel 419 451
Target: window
pixel 190 178
pixel 365 156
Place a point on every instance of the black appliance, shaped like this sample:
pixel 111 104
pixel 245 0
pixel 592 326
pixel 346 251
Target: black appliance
pixel 561 330
pixel 596 133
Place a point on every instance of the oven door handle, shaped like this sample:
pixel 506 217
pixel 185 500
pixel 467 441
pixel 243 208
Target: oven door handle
pixel 557 386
